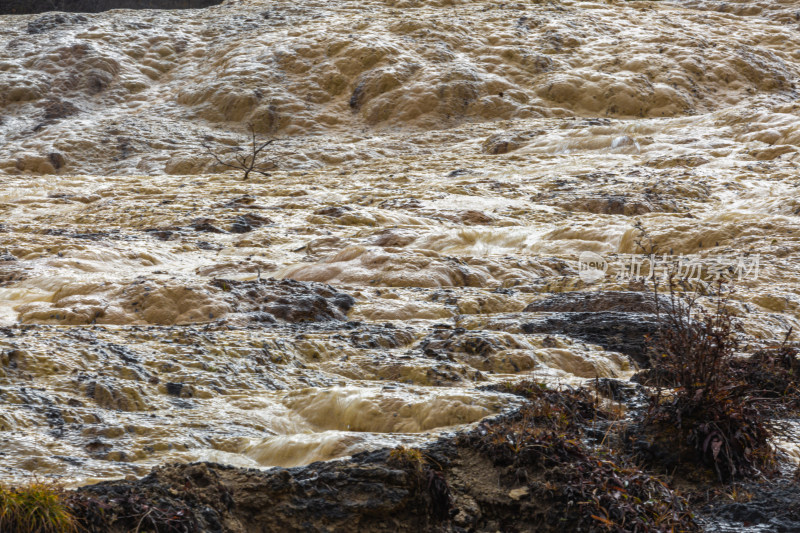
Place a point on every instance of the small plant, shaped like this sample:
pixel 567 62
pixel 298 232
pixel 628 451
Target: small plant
pixel 709 407
pixel 34 508
pixel 543 448
pixel 246 162
pixel 738 493
pixel 694 347
pixel 407 458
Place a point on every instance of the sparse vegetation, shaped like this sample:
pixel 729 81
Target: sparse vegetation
pixel 133 512
pixel 34 508
pixel 702 411
pixel 543 447
pixel 407 457
pixel 560 410
pixel 246 160
pixel 700 401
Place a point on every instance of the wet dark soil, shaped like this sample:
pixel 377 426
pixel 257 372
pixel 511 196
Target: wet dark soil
pixel 28 7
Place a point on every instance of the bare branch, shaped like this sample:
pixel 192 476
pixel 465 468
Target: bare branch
pixel 247 163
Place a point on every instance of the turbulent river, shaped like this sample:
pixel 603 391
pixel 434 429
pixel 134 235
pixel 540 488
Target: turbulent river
pixel 436 167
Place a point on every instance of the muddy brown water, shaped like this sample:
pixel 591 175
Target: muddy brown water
pixel 444 163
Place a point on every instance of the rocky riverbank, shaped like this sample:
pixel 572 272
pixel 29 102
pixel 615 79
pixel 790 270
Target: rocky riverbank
pixel 552 466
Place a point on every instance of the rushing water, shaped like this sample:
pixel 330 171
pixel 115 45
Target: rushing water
pixel 443 162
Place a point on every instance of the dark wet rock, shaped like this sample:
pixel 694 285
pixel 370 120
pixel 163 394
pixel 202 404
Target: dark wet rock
pixel 7 257
pixel 57 159
pixel 97 447
pixel 616 320
pixel 94 236
pixel 763 507
pixel 593 302
pixel 334 211
pixel 180 403
pixel 206 224
pixel 459 340
pixel 386 337
pixel 476 350
pixel 174 389
pixel 401 203
pixel 458 172
pixel 204 245
pixel 61 196
pixel 620 332
pixel 100 235
pixel 55 231
pixel 610 204
pixel 362 494
pixel 180 390
pixel 248 222
pixel 394 238
pixel 57 109
pixel 27 7
pixel 287 300
pixel 163 234
pixel 49 21
pixel 74 461
pixel 240 225
pixel 55 419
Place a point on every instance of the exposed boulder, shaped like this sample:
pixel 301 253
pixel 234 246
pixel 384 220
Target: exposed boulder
pixel 49 21
pixel 616 320
pixel 248 222
pixel 360 494
pixel 287 300
pixel 593 302
pixel 620 332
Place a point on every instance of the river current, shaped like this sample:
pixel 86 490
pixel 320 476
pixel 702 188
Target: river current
pixel 444 163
